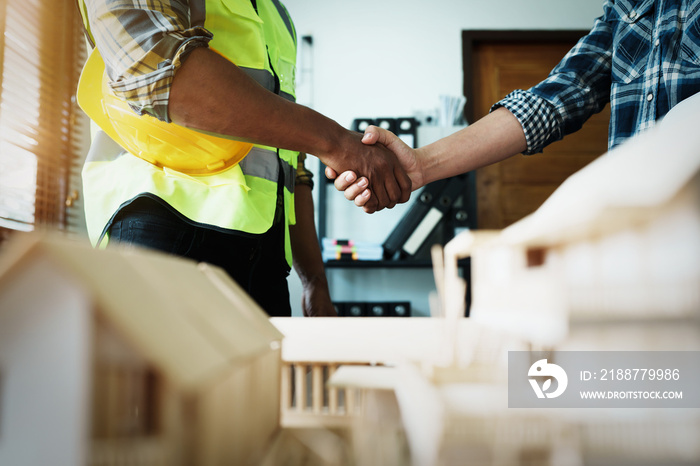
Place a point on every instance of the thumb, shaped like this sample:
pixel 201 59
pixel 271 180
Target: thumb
pixel 330 173
pixel 374 134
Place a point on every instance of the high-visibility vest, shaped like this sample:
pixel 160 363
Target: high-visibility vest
pixel 242 198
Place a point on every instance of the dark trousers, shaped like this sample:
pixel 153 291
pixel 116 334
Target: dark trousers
pixel 256 262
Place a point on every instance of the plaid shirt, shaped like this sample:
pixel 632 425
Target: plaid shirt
pixel 143 44
pixel 641 56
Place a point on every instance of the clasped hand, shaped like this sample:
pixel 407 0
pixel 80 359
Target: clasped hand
pixel 374 195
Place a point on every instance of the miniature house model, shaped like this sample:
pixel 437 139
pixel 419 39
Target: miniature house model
pixel 130 357
pixel 610 262
pixel 618 241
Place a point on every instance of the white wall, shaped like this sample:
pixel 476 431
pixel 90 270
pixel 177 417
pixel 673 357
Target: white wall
pixel 393 57
pixel 387 58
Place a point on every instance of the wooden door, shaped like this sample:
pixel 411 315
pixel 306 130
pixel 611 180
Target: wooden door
pixel 514 188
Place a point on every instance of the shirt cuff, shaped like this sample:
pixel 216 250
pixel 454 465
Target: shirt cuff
pixel 149 93
pixel 537 116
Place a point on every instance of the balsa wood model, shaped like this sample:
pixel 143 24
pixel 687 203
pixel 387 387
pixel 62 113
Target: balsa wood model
pixel 128 357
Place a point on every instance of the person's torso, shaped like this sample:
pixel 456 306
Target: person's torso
pixel 655 61
pixel 260 39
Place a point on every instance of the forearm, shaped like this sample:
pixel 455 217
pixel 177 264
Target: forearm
pixel 491 139
pixel 308 261
pixel 211 94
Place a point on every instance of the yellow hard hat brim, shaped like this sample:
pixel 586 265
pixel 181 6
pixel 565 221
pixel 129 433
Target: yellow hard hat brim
pixel 89 95
pixel 160 143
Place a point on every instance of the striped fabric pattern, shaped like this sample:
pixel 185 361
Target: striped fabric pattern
pixel 143 42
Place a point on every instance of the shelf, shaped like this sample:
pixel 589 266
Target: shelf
pixel 386 264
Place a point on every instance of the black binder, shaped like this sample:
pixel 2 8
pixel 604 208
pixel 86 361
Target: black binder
pixel 404 127
pixel 424 215
pixel 373 308
pixel 355 309
pixel 408 223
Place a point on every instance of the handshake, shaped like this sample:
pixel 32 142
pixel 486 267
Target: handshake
pixel 390 170
pixel 399 169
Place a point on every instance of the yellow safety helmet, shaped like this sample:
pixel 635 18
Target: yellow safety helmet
pixel 162 144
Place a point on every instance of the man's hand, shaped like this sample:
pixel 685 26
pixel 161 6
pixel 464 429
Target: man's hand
pixel 382 171
pixel 493 138
pixel 358 189
pixel 316 300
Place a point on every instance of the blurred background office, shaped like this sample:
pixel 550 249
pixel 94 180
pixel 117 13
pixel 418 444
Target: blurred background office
pixel 396 58
pixel 361 59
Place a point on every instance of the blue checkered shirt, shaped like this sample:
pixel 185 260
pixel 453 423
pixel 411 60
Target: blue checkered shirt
pixel 641 56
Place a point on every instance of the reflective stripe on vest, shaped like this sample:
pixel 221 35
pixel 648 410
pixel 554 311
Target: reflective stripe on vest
pixel 264 164
pixel 261 163
pixel 210 200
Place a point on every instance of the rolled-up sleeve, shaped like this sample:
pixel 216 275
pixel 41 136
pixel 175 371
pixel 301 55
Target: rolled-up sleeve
pixel 143 46
pixel 537 116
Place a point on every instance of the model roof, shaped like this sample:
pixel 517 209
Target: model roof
pixel 189 319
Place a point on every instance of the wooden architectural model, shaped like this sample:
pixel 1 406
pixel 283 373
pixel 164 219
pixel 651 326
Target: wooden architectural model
pixel 130 358
pixel 611 262
pixel 619 241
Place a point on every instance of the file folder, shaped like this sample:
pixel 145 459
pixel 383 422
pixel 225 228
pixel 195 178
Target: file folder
pixel 431 207
pixel 412 218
